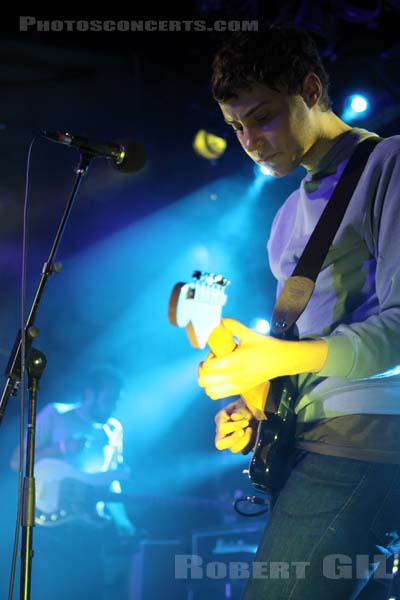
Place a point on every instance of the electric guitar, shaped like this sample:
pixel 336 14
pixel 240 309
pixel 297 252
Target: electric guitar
pixel 65 494
pixel 197 306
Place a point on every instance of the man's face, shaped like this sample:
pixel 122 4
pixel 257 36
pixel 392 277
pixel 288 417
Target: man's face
pixel 102 403
pixel 274 128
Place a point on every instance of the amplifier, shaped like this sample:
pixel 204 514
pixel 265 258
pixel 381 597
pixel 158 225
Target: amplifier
pixel 221 561
pixel 152 573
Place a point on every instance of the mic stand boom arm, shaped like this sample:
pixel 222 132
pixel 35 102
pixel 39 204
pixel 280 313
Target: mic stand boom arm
pixel 13 369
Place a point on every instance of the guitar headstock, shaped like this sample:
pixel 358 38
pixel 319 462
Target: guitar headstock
pixel 197 305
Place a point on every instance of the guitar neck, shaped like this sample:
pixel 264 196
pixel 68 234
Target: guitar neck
pixel 148 499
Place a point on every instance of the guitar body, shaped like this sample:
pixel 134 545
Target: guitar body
pixel 64 493
pixel 271 462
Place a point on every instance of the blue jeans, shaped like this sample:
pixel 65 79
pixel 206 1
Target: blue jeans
pixel 330 534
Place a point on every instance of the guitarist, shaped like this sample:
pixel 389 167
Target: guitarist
pixel 337 518
pixel 71 559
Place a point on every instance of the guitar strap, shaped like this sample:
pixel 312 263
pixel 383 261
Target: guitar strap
pixel 299 287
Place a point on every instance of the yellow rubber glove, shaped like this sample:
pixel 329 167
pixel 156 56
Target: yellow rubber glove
pixel 235 428
pixel 256 360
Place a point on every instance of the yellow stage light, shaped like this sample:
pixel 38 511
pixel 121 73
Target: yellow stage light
pixel 208 145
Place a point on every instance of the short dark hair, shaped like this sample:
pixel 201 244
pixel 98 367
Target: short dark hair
pixel 279 57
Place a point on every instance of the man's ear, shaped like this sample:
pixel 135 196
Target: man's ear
pixel 312 89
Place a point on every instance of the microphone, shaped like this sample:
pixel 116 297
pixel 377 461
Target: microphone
pixel 127 156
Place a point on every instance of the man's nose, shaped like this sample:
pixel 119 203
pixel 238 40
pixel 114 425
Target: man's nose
pixel 252 140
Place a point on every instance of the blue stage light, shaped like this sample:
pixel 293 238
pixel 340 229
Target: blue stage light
pixel 261 326
pixel 356 106
pixel 359 103
pixel 261 170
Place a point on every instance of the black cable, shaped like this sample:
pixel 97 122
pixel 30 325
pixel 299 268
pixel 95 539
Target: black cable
pixel 22 382
pixel 252 500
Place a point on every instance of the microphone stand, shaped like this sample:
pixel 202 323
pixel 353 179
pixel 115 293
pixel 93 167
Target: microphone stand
pixel 35 362
pixel 35 366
